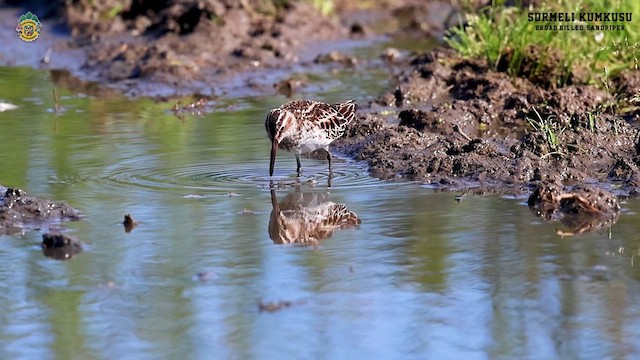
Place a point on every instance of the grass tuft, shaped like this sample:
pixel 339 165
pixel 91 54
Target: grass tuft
pixel 549 129
pixel 509 42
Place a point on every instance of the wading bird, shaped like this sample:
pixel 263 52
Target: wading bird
pixel 303 126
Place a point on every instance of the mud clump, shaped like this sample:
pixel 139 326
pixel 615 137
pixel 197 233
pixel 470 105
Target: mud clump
pixel 19 211
pixel 581 208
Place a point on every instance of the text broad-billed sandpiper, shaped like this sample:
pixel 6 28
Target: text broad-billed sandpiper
pixel 303 126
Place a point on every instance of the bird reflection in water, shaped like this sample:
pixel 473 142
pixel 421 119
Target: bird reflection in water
pixel 305 218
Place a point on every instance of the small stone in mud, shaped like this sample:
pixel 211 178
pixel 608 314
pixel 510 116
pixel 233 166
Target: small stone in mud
pixel 391 54
pixel 129 223
pixel 357 30
pixel 60 246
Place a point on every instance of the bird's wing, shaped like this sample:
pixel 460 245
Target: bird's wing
pixel 329 117
pixel 347 110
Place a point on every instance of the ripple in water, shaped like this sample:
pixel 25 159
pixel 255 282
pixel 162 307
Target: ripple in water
pixel 211 176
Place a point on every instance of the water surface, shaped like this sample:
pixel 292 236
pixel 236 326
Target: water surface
pixel 423 276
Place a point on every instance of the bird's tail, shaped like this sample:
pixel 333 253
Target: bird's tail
pixel 347 110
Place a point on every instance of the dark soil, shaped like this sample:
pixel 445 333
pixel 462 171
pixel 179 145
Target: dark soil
pixel 19 211
pixel 192 46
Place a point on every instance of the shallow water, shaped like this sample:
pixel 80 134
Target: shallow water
pixel 422 276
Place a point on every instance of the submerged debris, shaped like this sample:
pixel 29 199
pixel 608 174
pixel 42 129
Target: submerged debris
pixel 198 107
pixel 273 306
pixel 203 276
pixel 593 274
pixel 129 223
pixel 336 57
pixel 60 246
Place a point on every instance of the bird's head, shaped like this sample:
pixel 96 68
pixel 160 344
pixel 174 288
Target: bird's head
pixel 278 123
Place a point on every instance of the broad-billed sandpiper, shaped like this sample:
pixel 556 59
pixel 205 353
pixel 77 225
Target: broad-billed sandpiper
pixel 303 126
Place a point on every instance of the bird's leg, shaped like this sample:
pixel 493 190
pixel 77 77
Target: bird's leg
pixel 299 169
pixel 330 170
pixel 274 199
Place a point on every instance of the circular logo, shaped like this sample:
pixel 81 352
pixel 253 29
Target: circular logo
pixel 29 27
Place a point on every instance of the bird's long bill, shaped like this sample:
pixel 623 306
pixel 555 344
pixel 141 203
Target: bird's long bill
pixel 274 149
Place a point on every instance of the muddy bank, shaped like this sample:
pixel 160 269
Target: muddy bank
pixel 176 47
pixel 214 48
pixel 454 124
pixel 192 47
pixel 19 211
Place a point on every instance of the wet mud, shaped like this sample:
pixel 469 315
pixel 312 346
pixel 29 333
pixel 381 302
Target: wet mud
pixel 454 124
pixel 194 46
pixel 20 212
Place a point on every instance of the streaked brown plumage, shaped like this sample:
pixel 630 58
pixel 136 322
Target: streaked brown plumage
pixel 305 218
pixel 303 126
